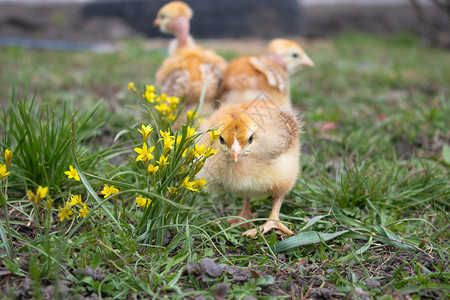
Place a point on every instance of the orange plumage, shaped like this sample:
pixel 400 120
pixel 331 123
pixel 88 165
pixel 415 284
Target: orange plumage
pixel 189 67
pixel 258 154
pixel 247 77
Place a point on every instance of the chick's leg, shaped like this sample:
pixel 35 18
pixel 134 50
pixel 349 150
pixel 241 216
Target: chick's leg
pixel 245 213
pixel 274 215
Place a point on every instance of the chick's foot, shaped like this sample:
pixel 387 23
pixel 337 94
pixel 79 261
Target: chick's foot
pixel 266 227
pixel 235 221
pixel 245 213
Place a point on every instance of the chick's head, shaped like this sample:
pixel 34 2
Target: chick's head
pixel 238 134
pixel 289 54
pixel 171 14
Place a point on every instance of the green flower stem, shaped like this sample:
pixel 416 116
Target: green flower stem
pixel 8 240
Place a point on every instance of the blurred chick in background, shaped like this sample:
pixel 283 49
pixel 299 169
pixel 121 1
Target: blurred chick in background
pixel 258 154
pixel 246 77
pixel 189 67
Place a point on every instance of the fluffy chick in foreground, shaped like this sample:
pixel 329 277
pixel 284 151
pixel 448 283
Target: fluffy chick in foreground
pixel 246 77
pixel 189 67
pixel 258 154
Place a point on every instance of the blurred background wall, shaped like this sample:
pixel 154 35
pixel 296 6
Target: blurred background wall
pixel 106 20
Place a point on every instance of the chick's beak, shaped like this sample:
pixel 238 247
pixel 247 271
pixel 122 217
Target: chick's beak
pixel 235 150
pixel 156 22
pixel 307 61
pixel 235 155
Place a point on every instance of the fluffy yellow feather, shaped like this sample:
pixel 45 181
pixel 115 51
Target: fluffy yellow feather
pixel 258 154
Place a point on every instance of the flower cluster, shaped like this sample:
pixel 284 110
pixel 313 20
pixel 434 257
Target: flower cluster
pixel 169 156
pixel 36 199
pixel 167 143
pixel 143 202
pixel 71 206
pixel 166 106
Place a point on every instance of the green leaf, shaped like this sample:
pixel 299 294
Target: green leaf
pixel 305 238
pixel 13 266
pixel 265 280
pixel 394 240
pixel 365 247
pixel 446 154
pixel 312 222
pixel 95 262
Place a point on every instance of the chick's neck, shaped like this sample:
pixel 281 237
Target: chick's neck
pixel 180 28
pixel 278 60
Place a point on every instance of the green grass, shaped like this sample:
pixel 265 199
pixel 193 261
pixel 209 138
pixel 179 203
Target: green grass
pixel 369 211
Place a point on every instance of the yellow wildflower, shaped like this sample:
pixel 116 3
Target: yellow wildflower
pixel 3 172
pixel 172 191
pixel 191 114
pixel 200 183
pixel 199 150
pixel 190 185
pixel 72 173
pixel 75 200
pixel 146 131
pixel 209 152
pixel 163 98
pixel 132 87
pixel 214 134
pixel 65 212
pixel 206 152
pixel 83 211
pixel 169 140
pixel 31 197
pixel 168 143
pixel 149 94
pixel 171 117
pixel 49 203
pixel 173 102
pixel 8 157
pixel 143 202
pixel 40 194
pixel 200 120
pixel 145 154
pixel 190 131
pixel 107 191
pixel 163 109
pixel 162 161
pixel 179 137
pixel 152 169
pixel 187 151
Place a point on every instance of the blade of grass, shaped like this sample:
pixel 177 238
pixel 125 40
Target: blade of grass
pixel 305 238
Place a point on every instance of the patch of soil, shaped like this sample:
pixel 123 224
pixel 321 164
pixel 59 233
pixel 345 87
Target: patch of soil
pixel 422 146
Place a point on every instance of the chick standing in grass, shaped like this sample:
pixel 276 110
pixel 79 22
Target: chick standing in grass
pixel 189 67
pixel 246 77
pixel 258 154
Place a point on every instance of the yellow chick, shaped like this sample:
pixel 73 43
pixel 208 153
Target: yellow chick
pixel 246 77
pixel 258 154
pixel 189 67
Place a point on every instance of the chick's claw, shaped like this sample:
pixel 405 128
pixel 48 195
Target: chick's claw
pixel 235 221
pixel 266 227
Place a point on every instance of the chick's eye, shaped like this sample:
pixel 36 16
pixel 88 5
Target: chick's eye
pixel 162 16
pixel 222 141
pixel 250 139
pixel 295 55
